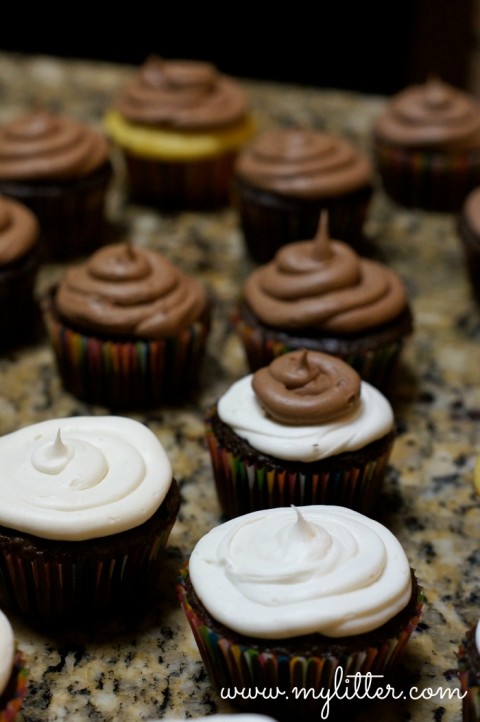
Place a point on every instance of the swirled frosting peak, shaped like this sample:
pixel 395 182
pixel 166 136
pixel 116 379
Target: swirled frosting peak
pixel 129 290
pixel 18 231
pixel 305 408
pixel 433 114
pixel 307 387
pixel 82 477
pixel 43 146
pixel 323 283
pixel 286 572
pixel 304 163
pixel 182 94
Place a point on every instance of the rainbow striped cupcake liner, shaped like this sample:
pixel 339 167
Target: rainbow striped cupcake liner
pixel 181 185
pixel 262 346
pixel 19 675
pixel 269 221
pixel 244 483
pixel 469 680
pixel 428 180
pixel 127 374
pixel 303 680
pixel 47 589
pixel 72 214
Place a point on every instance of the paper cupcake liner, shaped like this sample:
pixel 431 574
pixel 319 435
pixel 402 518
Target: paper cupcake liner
pixel 20 314
pixel 469 679
pixel 237 666
pixel 245 483
pixel 43 588
pixel 19 690
pixel 428 180
pixel 71 214
pixel 270 220
pixel 190 185
pixel 261 346
pixel 131 373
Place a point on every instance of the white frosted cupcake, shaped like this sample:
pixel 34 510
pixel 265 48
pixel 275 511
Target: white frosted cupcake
pixel 303 430
pixel 13 673
pixel 293 599
pixel 86 507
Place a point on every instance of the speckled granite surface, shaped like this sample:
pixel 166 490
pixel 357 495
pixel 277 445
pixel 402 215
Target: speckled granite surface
pixel 149 667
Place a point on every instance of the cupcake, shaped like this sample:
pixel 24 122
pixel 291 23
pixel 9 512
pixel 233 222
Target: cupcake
pixel 179 125
pixel 292 601
pixel 285 177
pixel 19 261
pixel 303 430
pixel 468 231
pixel 13 673
pixel 469 674
pixel 128 328
pixel 60 169
pixel 321 295
pixel 87 505
pixel 426 146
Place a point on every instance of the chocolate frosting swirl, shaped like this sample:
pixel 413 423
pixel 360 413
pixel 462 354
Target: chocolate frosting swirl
pixel 303 163
pixel 182 95
pixel 431 115
pixel 324 284
pixel 43 146
pixel 19 231
pixel 307 388
pixel 126 290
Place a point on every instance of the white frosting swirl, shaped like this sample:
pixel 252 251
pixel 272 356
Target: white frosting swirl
pixel 284 572
pixel 240 409
pixel 81 477
pixel 7 651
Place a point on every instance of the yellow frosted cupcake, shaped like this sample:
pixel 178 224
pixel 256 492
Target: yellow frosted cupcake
pixel 179 125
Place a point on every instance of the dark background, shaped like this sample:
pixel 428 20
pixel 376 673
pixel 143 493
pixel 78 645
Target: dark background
pixel 369 47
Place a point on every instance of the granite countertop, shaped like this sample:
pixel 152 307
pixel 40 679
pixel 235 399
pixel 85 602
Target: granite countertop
pixel 150 667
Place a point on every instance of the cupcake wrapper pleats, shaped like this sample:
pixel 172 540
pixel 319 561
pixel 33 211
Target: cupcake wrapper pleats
pixel 429 180
pixel 233 666
pixel 245 484
pixel 42 588
pixel 269 221
pixel 181 185
pixel 374 365
pixel 127 374
pixel 72 215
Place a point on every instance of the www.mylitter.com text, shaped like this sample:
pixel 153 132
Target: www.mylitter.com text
pixel 344 687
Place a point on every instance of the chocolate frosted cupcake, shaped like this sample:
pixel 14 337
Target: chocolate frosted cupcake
pixel 19 259
pixel 426 146
pixel 87 505
pixel 319 294
pixel 286 176
pixel 128 328
pixel 304 430
pixel 469 673
pixel 60 169
pixel 179 125
pixel 291 601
